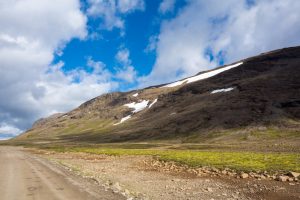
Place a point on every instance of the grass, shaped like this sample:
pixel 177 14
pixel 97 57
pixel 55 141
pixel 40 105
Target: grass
pixel 255 134
pixel 241 161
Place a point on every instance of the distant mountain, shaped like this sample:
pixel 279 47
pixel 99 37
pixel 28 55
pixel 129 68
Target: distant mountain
pixel 255 98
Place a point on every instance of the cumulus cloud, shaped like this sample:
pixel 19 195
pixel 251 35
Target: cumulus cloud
pixel 32 31
pixel 166 6
pixel 204 33
pixel 6 130
pixel 126 71
pixel 152 44
pixel 126 6
pixel 111 12
pixel 122 56
pixel 64 91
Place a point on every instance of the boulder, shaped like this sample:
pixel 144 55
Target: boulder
pixel 294 174
pixel 282 178
pixel 244 175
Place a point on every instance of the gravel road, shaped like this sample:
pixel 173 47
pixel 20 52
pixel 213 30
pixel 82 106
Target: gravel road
pixel 27 177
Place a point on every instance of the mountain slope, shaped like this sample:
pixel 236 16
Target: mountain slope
pixel 256 97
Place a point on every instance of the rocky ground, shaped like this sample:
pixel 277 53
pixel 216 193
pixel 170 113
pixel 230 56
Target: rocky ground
pixel 141 177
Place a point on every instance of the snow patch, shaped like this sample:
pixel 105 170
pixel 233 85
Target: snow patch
pixel 138 106
pixel 177 83
pixel 123 120
pixel 222 90
pixel 203 76
pixel 135 95
pixel 152 103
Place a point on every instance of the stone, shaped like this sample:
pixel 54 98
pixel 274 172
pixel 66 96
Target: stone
pixel 117 186
pixel 290 179
pixel 209 189
pixel 263 176
pixel 294 174
pixel 127 192
pixel 244 175
pixel 282 178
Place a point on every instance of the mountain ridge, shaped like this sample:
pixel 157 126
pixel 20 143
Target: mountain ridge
pixel 262 92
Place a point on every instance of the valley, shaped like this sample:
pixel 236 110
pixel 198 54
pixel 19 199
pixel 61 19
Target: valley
pixel 229 133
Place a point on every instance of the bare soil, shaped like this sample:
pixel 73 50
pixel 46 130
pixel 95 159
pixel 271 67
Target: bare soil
pixel 129 176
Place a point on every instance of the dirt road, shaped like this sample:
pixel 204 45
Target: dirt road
pixel 24 176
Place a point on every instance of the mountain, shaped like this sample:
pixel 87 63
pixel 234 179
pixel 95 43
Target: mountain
pixel 254 99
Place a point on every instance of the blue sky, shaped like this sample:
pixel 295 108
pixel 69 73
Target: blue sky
pixel 76 50
pixel 140 26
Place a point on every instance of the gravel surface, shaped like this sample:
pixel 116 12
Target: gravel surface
pixel 132 178
pixel 24 176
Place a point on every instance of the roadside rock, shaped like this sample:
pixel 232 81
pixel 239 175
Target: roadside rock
pixel 294 174
pixel 172 167
pixel 244 175
pixel 282 178
pixel 117 186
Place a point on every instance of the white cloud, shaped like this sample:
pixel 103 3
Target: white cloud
pixel 107 11
pixel 126 72
pixel 32 31
pixel 65 91
pixel 166 6
pixel 123 56
pixel 231 28
pixel 6 129
pixel 111 12
pixel 152 44
pixel 126 6
pixel 251 31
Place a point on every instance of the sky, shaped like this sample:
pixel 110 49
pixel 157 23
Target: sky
pixel 57 54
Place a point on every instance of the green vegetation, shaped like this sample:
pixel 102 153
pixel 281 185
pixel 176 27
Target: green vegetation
pixel 255 134
pixel 246 161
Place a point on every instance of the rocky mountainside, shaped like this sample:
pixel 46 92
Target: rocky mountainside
pixel 255 98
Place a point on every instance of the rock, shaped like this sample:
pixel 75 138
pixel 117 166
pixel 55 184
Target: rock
pixel 282 178
pixel 209 189
pixel 127 192
pixel 117 186
pixel 258 176
pixel 244 175
pixel 230 174
pixel 290 179
pixel 294 174
pixel 213 169
pixel 263 176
